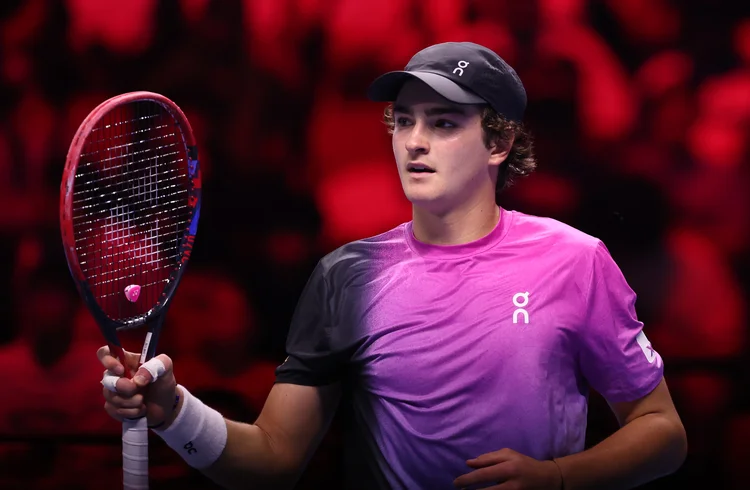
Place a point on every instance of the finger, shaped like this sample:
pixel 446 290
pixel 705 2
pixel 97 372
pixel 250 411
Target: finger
pixel 118 401
pixel 110 362
pixel 112 411
pixel 119 385
pixel 152 370
pixel 492 474
pixel 488 459
pixel 109 381
pixel 131 413
pixel 121 414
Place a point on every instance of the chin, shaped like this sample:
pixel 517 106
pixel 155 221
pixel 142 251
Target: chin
pixel 421 198
pixel 431 203
pixel 420 191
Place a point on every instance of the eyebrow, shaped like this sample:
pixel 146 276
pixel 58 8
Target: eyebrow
pixel 432 111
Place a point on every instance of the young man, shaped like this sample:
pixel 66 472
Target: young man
pixel 460 346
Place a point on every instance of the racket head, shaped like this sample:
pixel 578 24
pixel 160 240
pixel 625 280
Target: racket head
pixel 129 208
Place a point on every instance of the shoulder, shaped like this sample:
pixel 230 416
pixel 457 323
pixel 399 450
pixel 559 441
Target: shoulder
pixel 554 245
pixel 361 254
pixel 553 233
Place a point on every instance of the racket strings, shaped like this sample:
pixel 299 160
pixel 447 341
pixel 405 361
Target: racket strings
pixel 92 182
pixel 127 146
pixel 130 202
pixel 104 281
pixel 120 201
pixel 101 131
pixel 114 294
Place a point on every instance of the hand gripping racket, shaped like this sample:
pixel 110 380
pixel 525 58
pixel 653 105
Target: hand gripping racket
pixel 129 206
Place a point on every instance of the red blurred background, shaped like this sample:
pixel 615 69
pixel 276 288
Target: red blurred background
pixel 641 112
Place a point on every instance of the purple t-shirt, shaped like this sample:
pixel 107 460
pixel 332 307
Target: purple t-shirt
pixel 449 352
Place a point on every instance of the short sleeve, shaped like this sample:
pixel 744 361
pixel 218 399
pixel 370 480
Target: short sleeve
pixel 312 360
pixel 615 356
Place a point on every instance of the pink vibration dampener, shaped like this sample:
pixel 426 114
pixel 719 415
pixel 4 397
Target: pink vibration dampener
pixel 132 292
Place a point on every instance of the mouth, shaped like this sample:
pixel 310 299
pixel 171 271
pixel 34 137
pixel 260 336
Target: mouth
pixel 419 168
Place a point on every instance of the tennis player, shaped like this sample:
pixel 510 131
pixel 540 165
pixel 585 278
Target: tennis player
pixel 460 346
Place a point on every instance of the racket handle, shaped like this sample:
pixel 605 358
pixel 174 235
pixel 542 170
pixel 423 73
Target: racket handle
pixel 135 454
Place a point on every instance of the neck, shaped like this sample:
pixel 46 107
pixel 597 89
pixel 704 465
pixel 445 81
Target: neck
pixel 456 227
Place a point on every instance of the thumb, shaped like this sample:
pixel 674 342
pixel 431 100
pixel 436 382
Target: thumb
pixel 151 370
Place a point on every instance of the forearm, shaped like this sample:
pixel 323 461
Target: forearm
pixel 249 461
pixel 233 454
pixel 649 447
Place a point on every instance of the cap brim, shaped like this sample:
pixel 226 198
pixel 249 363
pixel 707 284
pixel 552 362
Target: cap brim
pixel 386 87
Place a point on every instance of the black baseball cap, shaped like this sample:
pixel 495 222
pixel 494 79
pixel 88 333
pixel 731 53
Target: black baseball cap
pixel 464 73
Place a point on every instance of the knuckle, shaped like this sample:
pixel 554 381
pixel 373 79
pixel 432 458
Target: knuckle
pixel 167 362
pixel 124 388
pixel 124 398
pixel 130 402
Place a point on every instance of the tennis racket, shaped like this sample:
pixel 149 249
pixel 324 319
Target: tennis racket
pixel 130 201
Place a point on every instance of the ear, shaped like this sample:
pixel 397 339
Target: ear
pixel 500 150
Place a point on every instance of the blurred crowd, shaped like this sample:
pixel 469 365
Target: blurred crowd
pixel 641 114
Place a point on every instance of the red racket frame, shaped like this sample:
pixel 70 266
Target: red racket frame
pixel 110 326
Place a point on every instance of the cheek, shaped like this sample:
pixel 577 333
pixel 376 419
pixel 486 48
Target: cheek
pixel 398 145
pixel 465 160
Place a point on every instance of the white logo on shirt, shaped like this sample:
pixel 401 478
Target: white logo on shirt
pixel 517 298
pixel 461 65
pixel 645 344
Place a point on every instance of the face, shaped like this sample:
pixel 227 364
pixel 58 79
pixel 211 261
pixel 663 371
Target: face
pixel 442 160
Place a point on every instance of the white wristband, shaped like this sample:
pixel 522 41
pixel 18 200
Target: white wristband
pixel 198 434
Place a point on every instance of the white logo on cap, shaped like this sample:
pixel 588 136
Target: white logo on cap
pixel 461 66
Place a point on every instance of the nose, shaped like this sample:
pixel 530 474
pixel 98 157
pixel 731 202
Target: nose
pixel 417 143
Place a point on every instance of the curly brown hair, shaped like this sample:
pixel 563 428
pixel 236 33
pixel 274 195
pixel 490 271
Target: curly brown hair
pixel 521 160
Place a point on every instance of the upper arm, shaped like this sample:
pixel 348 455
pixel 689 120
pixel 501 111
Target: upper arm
pixel 613 352
pixel 295 418
pixel 302 402
pixel 659 401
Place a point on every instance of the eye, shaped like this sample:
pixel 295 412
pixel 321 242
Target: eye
pixel 402 121
pixel 445 124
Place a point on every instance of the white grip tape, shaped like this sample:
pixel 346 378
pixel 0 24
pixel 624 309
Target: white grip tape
pixel 198 434
pixel 110 382
pixel 155 367
pixel 135 454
